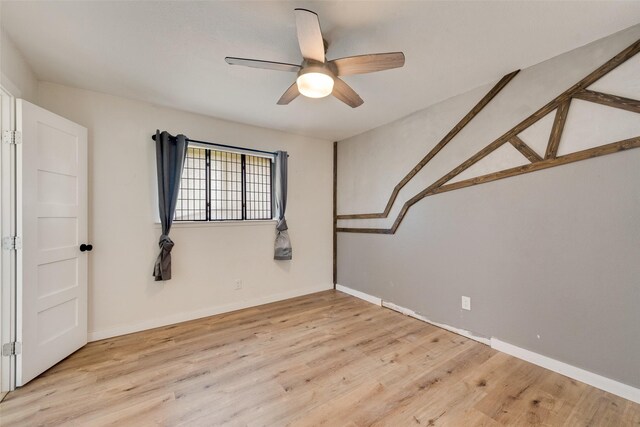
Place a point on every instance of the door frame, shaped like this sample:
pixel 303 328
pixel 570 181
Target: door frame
pixel 8 258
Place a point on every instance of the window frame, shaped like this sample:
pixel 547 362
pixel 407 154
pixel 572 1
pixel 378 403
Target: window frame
pixel 243 190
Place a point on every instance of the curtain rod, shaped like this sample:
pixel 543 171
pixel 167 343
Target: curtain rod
pixel 273 153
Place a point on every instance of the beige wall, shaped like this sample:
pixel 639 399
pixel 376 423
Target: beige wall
pixel 207 258
pixel 17 76
pixel 549 258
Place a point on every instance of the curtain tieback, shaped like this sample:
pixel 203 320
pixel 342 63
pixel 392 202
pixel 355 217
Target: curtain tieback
pixel 282 225
pixel 165 243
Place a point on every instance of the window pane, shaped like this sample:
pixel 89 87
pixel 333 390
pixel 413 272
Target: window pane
pixel 191 205
pixel 258 175
pixel 226 185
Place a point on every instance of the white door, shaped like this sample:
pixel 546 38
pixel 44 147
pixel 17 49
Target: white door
pixel 52 223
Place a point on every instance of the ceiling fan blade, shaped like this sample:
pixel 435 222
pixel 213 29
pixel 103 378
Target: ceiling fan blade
pixel 309 35
pixel 344 93
pixel 268 65
pixel 289 95
pixel 368 63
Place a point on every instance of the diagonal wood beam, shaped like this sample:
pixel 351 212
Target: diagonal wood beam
pixel 543 111
pixel 590 153
pixel 605 68
pixel 439 146
pixel 556 130
pixel 523 148
pixel 614 101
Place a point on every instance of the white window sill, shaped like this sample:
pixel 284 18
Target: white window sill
pixel 206 224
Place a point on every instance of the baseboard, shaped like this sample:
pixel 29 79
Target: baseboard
pixel 595 380
pixel 358 294
pixel 579 374
pixel 411 313
pixel 197 314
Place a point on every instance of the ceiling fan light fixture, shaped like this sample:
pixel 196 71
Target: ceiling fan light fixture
pixel 318 77
pixel 315 83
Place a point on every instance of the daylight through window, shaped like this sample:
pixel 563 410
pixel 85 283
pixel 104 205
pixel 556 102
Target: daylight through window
pixel 221 186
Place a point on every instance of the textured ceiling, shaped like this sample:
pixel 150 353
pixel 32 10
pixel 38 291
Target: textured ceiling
pixel 172 53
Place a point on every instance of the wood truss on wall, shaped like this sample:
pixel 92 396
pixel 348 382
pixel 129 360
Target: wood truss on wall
pixel 561 104
pixel 439 146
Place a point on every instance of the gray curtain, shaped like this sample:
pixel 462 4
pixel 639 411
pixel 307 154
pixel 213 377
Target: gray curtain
pixel 283 244
pixel 170 154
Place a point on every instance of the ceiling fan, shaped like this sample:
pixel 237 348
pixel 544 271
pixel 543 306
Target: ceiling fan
pixel 318 77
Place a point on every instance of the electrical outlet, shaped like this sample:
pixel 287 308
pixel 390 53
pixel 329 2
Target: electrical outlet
pixel 466 303
pixel 238 285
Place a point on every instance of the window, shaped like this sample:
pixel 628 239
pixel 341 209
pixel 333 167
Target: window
pixel 222 186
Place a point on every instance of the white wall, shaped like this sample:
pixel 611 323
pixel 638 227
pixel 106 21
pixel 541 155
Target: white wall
pixel 16 75
pixel 549 258
pixel 207 258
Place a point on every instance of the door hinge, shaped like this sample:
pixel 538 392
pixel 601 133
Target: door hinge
pixel 11 243
pixel 11 348
pixel 11 137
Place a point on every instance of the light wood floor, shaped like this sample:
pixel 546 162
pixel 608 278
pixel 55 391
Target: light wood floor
pixel 322 359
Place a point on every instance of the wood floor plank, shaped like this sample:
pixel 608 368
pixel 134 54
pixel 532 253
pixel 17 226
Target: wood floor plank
pixel 325 358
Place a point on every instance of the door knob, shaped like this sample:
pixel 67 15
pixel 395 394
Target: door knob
pixel 84 247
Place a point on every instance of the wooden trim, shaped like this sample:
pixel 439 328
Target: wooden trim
pixel 335 211
pixel 614 101
pixel 590 153
pixel 563 98
pixel 439 146
pixel 607 67
pixel 524 149
pixel 365 230
pixel 556 131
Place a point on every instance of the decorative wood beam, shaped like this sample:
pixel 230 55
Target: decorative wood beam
pixel 439 146
pixel 335 211
pixel 590 153
pixel 524 149
pixel 614 101
pixel 365 230
pixel 607 67
pixel 564 97
pixel 556 130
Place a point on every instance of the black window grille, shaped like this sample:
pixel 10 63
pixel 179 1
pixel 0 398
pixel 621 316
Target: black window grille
pixel 192 201
pixel 258 187
pixel 222 186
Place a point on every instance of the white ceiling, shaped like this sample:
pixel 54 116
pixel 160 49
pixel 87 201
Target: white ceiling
pixel 172 53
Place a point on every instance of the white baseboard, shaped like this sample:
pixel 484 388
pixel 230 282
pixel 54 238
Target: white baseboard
pixel 409 312
pixel 197 314
pixel 595 380
pixel 358 294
